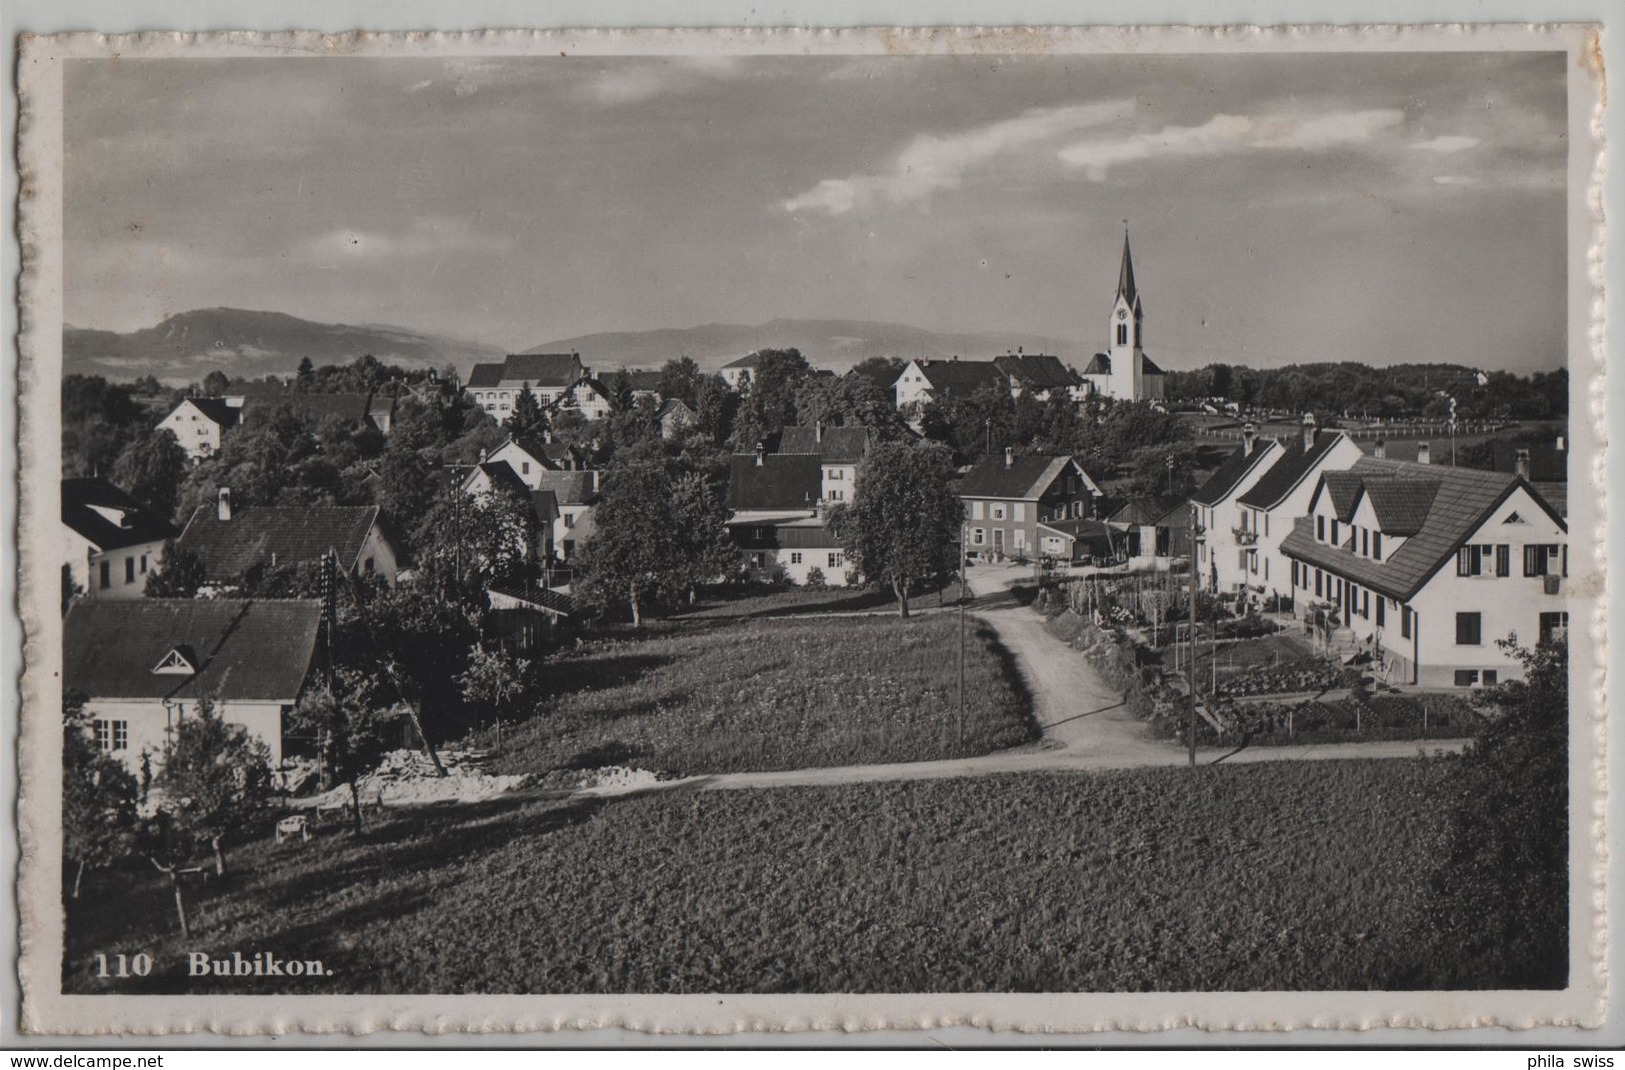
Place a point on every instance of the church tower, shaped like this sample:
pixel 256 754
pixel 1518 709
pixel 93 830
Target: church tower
pixel 1127 333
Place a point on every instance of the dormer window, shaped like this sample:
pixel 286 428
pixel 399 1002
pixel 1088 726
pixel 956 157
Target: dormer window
pixel 178 662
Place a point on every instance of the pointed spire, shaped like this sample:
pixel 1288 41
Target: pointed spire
pixel 1125 275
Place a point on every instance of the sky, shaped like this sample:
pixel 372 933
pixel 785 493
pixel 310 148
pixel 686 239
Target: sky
pixel 1368 207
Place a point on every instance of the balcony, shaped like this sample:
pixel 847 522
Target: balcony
pixel 1245 536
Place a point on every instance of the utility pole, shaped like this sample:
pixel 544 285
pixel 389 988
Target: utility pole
pixel 960 719
pixel 1192 679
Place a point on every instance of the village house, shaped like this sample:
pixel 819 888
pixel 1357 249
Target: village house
pixel 495 387
pixel 675 418
pixel 1268 509
pixel 1155 530
pixel 490 477
pixel 1425 567
pixel 1220 560
pixel 839 451
pixel 145 664
pixel 530 455
pixel 589 397
pixel 575 498
pixel 1041 375
pixel 200 424
pixel 1123 372
pixel 110 542
pixel 776 517
pixel 923 381
pixel 1015 505
pixel 645 383
pixel 231 543
pixel 741 372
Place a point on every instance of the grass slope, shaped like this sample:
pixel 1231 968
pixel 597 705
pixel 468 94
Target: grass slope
pixel 774 694
pixel 1298 876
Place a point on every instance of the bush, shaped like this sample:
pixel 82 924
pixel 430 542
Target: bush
pixel 815 578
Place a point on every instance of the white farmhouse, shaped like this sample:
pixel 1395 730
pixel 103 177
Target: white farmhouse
pixel 200 424
pixel 1227 550
pixel 110 542
pixel 1426 567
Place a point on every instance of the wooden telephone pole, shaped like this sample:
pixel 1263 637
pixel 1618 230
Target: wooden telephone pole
pixel 1191 680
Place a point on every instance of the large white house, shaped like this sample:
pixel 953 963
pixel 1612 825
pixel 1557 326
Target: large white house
pixel 1426 567
pixel 200 424
pixel 496 387
pixel 110 542
pixel 1268 509
pixel 143 666
pixel 1226 551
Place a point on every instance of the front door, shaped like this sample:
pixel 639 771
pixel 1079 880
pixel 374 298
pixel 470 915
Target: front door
pixel 998 540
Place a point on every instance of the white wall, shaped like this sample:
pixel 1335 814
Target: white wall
pixel 1222 548
pixel 382 555
pixel 831 559
pixel 198 435
pixel 1280 520
pixel 911 386
pixel 84 561
pixel 148 720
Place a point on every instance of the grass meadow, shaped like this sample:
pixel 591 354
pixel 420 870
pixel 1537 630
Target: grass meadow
pixel 1298 876
pixel 750 695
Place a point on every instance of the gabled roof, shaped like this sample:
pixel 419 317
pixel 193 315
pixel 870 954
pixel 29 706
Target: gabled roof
pixel 960 376
pixel 1025 478
pixel 836 445
pixel 1099 364
pixel 501 475
pixel 800 533
pixel 1145 512
pixel 267 534
pixel 1462 500
pixel 1081 528
pixel 1547 463
pixel 545 504
pixel 642 379
pixel 671 405
pixel 1344 490
pixel 542 369
pixel 570 488
pixel 107 518
pixel 1291 466
pixel 216 409
pixel 247 650
pixel 749 360
pixel 1039 371
pixel 1232 471
pixel 485 375
pixel 781 481
pixel 1401 505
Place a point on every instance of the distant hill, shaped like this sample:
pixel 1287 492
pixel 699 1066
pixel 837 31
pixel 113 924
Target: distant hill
pixel 248 345
pixel 834 344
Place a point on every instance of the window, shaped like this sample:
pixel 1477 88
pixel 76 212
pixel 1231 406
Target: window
pixel 524 468
pixel 569 520
pixel 1077 510
pixel 1554 627
pixel 1466 677
pixel 1404 622
pixel 1365 604
pixel 1503 560
pixel 1470 561
pixel 1334 533
pixel 105 575
pixel 113 735
pixel 1382 612
pixel 795 557
pixel 366 566
pixel 1122 334
pixel 996 512
pixel 1318 591
pixel 977 536
pixel 835 560
pixel 1469 629
pixel 1376 546
pixel 1491 677
pixel 1320 529
pixel 1534 560
pixel 129 570
pixel 1021 511
pixel 143 564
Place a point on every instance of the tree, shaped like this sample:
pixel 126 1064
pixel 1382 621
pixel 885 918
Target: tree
pixel 355 730
pixel 216 383
pixel 681 379
pixel 1498 906
pixel 1156 471
pixel 215 779
pixel 495 680
pixel 305 376
pixel 527 411
pixel 703 549
pixel 635 544
pixel 98 797
pixel 151 470
pixel 179 576
pixel 902 525
pixel 621 395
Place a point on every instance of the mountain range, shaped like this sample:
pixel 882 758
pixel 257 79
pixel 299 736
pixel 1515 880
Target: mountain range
pixel 244 344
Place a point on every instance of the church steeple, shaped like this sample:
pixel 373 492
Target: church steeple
pixel 1125 276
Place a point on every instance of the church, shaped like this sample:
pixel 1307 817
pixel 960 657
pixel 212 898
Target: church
pixel 1123 372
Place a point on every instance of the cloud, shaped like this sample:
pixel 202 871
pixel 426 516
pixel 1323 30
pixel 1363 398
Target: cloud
pixel 1455 180
pixel 627 82
pixel 427 236
pixel 1230 134
pixel 1448 143
pixel 417 87
pixel 930 163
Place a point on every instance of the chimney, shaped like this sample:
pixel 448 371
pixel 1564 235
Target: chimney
pixel 818 431
pixel 1562 444
pixel 597 480
pixel 1009 456
pixel 761 454
pixel 547 436
pixel 1520 463
pixel 1423 454
pixel 483 454
pixel 1249 436
pixel 1381 452
pixel 1308 431
pixel 223 510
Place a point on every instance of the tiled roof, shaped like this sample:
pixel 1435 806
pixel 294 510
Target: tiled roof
pixel 139 524
pixel 218 411
pixel 555 602
pixel 1041 371
pixel 595 385
pixel 1148 511
pixel 1556 495
pixel 643 378
pixel 1026 477
pixel 485 375
pixel 570 488
pixel 1462 501
pixel 1149 366
pixel 749 360
pixel 1099 364
pixel 1082 528
pixel 285 535
pixel 961 376
pixel 501 474
pixel 781 481
pixel 839 445
pixel 1344 489
pixel 1232 471
pixel 545 504
pixel 245 650
pixel 1291 465
pixel 671 405
pixel 542 369
pixel 799 534
pixel 1401 505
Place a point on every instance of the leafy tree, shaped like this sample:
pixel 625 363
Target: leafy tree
pixel 681 378
pixel 703 548
pixel 495 680
pixel 881 371
pixel 216 779
pixel 151 470
pixel 770 403
pixel 354 733
pixel 1159 470
pixel 216 383
pixel 470 541
pixel 98 797
pixel 716 407
pixel 527 411
pixel 180 575
pixel 621 396
pixel 99 419
pixel 305 377
pixel 853 400
pixel 902 526
pixel 635 544
pixel 1498 910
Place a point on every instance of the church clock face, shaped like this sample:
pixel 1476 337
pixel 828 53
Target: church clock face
pixel 1122 313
